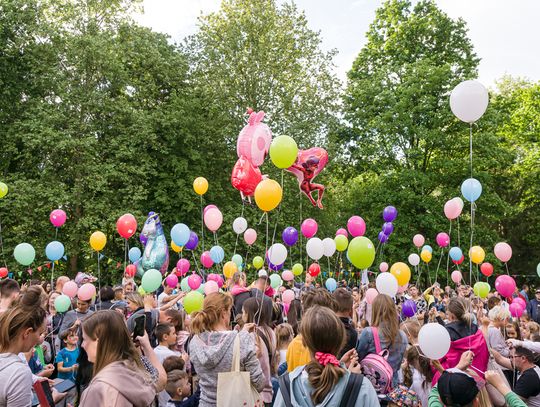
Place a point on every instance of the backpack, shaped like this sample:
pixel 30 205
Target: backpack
pixel 349 396
pixel 376 367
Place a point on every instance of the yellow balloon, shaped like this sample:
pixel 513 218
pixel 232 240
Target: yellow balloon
pixel 98 240
pixel 401 272
pixel 268 195
pixel 175 247
pixel 200 185
pixel 477 254
pixel 426 256
pixel 229 269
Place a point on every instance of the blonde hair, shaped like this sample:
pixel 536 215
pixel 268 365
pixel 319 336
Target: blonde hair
pixel 385 317
pixel 214 304
pixel 460 308
pixel 498 313
pixel 135 298
pixel 284 335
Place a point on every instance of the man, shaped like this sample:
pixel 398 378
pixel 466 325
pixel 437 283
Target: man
pixel 9 291
pixel 533 307
pixel 257 290
pixel 60 281
pixel 525 292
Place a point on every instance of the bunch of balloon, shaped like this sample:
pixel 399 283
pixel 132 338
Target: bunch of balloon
pixel 200 186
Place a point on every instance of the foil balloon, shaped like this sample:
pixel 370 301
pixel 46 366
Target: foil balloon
pixel 156 251
pixel 307 166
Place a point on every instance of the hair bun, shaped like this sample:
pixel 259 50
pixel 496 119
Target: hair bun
pixel 32 297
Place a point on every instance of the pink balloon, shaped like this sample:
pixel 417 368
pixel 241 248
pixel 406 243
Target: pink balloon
pixel 86 292
pixel 342 231
pixel 58 218
pixel 452 209
pixel 520 301
pixel 503 251
pixel 172 280
pixel 206 260
pixel 213 218
pixel 250 236
pixel 505 285
pixel 456 276
pixel 516 310
pixel 220 282
pixel 309 227
pixel 371 293
pixel 212 277
pixel 418 240
pixel 182 266
pixel 208 207
pixel 443 239
pixel 210 287
pixel 287 275
pixel 70 289
pixel 288 296
pixel 194 281
pixel 402 288
pixel 383 267
pixel 356 226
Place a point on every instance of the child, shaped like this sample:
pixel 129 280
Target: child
pixel 179 389
pixel 418 373
pixel 166 336
pixel 343 309
pixel 284 336
pixel 67 357
pixel 239 281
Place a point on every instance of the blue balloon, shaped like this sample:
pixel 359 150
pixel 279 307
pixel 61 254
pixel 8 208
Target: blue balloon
pixel 180 234
pixel 331 284
pixel 134 254
pixel 54 250
pixel 471 189
pixel 428 248
pixel 217 254
pixel 455 253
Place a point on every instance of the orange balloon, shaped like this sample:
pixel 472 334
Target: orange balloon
pixel 229 269
pixel 401 272
pixel 200 185
pixel 268 195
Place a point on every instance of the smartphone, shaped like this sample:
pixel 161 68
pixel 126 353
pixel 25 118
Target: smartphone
pixel 64 386
pixel 140 323
pixel 44 393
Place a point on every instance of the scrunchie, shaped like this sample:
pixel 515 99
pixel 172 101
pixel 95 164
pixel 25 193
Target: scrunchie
pixel 325 358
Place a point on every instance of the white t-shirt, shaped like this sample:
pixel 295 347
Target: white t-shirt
pixel 163 352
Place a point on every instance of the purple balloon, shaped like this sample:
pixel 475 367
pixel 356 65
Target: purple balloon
pixel 388 228
pixel 290 236
pixel 389 214
pixel 143 239
pixel 275 267
pixel 409 308
pixel 193 241
pixel 382 237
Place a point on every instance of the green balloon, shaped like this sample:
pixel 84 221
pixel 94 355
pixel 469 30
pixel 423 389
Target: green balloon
pixel 193 301
pixel 275 280
pixel 201 288
pixel 283 151
pixel 341 243
pixel 151 280
pixel 24 253
pixel 361 252
pixel 297 269
pixel 62 303
pixel 258 262
pixel 237 259
pixel 481 289
pixel 3 190
pixel 538 269
pixel 141 291
pixel 184 286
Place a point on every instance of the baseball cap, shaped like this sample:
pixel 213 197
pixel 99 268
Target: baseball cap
pixel 456 389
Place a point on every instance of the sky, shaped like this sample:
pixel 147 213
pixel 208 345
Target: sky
pixel 505 34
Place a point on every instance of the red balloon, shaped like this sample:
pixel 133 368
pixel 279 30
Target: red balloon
pixel 486 269
pixel 459 261
pixel 126 225
pixel 3 272
pixel 245 176
pixel 309 163
pixel 131 270
pixel 314 270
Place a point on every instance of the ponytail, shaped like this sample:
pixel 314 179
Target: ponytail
pixel 460 308
pixel 323 379
pixel 214 304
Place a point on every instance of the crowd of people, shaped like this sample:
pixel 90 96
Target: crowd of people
pixel 324 348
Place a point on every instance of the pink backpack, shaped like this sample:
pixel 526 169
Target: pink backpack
pixel 376 368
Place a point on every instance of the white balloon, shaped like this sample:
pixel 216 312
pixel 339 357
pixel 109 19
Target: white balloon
pixel 277 254
pixel 469 100
pixel 239 225
pixel 263 273
pixel 315 248
pixel 414 259
pixel 329 247
pixel 387 284
pixel 434 340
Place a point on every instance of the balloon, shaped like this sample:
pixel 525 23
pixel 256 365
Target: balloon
pixel 62 303
pixel 200 185
pixel 387 284
pixel 314 269
pixel 134 254
pixel 341 243
pixel 143 239
pixel 98 241
pixel 401 272
pixel 175 247
pixel 426 256
pixel 130 270
pixel 229 269
pixel 213 219
pixel 182 266
pixel 402 288
pixel 477 254
pixel 184 286
pixel 389 214
pixel 3 272
pixel 443 239
pixel 297 269
pixel 194 281
pixel 383 267
pixel 250 236
pixel 382 237
pixel 151 280
pixel 277 253
pixel 275 267
pixel 254 139
pixel 172 280
pixel 287 275
pixel 290 236
pixel 193 301
pixel 126 225
pixel 54 250
pixel 309 227
pixel 456 276
pixel 343 232
pixel 520 301
pixel 237 259
pixel 453 208
pixel 180 234
pixel 516 310
pixel 57 217
pixel 315 248
pixel 503 251
pixel 275 280
pixel 245 177
pixel 469 101
pixel 434 340
pixel 24 253
pixel 217 254
pixel 409 308
pixel 3 190
pixel 356 226
pixel 208 207
pixel 418 240
pixel 428 248
pixel 371 293
pixel 481 289
pixel 455 253
pixel 288 296
pixel 283 151
pixel 471 189
pixel 193 241
pixel 505 285
pixel 87 291
pixel 240 225
pixel 414 259
pixel 262 273
pixel 388 228
pixel 211 287
pixel 538 269
pixel 331 284
pixel 70 289
pixel 486 269
pixel 268 195
pixel 459 261
pixel 309 163
pixel 361 252
pixel 258 262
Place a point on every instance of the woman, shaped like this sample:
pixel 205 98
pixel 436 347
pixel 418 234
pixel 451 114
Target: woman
pixel 138 306
pixel 119 377
pixel 324 381
pixel 385 319
pixel 211 349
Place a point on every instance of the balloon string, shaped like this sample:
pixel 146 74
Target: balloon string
pixel 470 148
pixel 202 223
pixel 506 265
pixel 448 256
pixel 196 264
pixel 2 245
pixel 471 240
pixel 279 211
pixel 300 226
pixel 439 265
pixel 99 278
pixel 266 249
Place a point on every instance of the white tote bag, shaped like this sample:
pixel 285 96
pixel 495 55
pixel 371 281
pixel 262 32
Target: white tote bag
pixel 234 388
